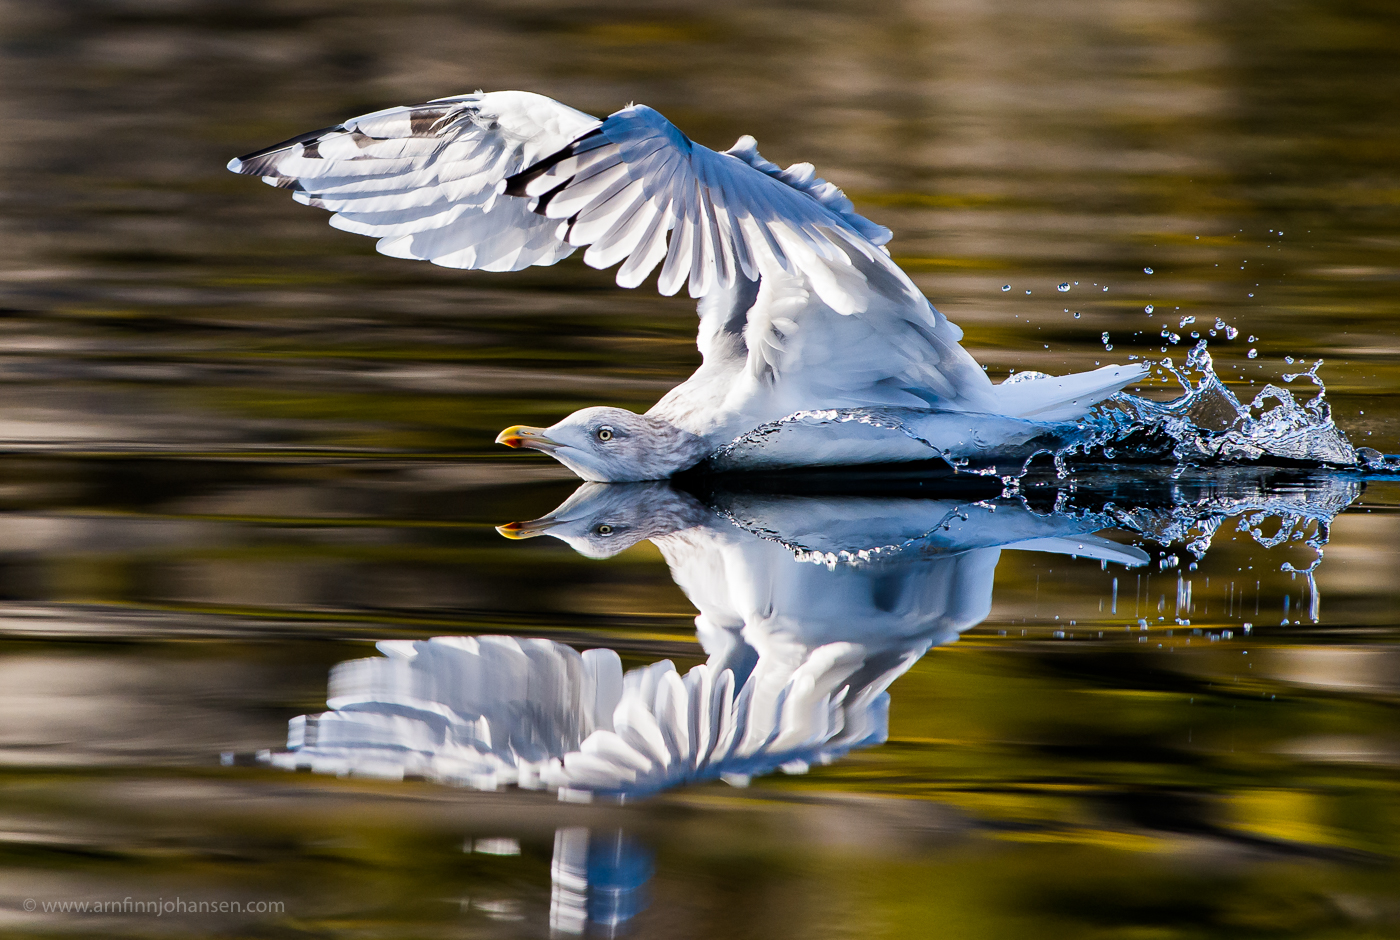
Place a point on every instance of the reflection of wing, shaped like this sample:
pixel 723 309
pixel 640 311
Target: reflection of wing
pixel 482 711
pixel 461 709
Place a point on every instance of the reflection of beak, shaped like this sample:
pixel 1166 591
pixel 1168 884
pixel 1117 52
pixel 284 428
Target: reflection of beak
pixel 521 436
pixel 526 530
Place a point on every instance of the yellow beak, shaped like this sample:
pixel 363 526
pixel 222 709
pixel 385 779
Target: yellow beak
pixel 526 530
pixel 521 436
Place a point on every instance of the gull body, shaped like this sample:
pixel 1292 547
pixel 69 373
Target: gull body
pixel 801 307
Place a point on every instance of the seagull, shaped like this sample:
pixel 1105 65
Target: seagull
pixel 802 309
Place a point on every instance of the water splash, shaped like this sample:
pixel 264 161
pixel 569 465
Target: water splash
pixel 1208 423
pixel 1273 516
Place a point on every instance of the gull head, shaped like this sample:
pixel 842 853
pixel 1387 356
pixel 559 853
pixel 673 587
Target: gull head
pixel 613 445
pixel 600 519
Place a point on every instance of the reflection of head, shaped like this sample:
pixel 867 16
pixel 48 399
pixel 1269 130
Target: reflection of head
pixel 602 519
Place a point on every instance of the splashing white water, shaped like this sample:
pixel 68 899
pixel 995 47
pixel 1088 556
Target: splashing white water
pixel 1208 423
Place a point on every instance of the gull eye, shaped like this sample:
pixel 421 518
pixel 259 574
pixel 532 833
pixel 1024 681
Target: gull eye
pixel 604 529
pixel 605 433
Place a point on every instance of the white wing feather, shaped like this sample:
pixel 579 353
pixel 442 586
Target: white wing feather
pixel 427 182
pixel 424 179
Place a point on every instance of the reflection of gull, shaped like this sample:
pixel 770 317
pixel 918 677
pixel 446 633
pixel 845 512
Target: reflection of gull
pixel 801 310
pixel 800 653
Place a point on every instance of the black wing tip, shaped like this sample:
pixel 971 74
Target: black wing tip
pixel 263 162
pixel 515 185
pixel 542 206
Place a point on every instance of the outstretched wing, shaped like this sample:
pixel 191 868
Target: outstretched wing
pixel 424 180
pixel 443 182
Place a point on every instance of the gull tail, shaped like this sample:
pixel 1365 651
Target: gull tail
pixel 1064 397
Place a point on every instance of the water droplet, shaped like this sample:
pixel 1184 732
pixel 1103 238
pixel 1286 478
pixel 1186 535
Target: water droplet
pixel 1104 337
pixel 1105 288
pixel 1288 359
pixel 1195 335
pixel 1231 332
pixel 1005 288
pixel 1108 347
pixel 1148 309
pixel 1254 354
pixel 1062 288
pixel 1252 339
pixel 1076 314
pixel 1249 295
pixel 1219 323
pixel 1146 270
